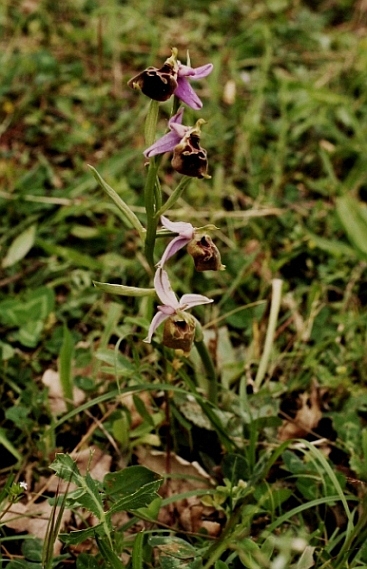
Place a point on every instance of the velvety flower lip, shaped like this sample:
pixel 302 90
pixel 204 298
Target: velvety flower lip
pixel 170 304
pixel 168 141
pixel 184 91
pixel 185 232
pixel 158 84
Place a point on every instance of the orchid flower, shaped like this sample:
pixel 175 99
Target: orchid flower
pixel 171 79
pixel 179 330
pixel 185 232
pixel 199 245
pixel 189 158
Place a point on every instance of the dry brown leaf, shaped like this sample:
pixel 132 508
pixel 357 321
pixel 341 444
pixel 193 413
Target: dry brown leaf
pixel 306 419
pixel 51 379
pixel 190 513
pixel 33 518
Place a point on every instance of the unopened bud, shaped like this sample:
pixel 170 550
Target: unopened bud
pixel 179 332
pixel 205 253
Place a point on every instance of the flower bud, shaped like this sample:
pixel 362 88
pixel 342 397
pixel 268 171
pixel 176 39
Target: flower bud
pixel 205 254
pixel 179 332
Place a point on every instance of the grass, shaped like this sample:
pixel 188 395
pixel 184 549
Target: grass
pixel 286 111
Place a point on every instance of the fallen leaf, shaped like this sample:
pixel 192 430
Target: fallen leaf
pixel 33 518
pixel 51 379
pixel 306 418
pixel 184 476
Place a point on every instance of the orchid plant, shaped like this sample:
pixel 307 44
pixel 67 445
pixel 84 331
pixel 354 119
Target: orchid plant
pixel 181 329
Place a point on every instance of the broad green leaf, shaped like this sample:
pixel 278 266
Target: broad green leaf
pixel 32 549
pixel 66 468
pixel 19 248
pixel 75 537
pixel 37 305
pixel 139 499
pixel 129 480
pixel 30 333
pixel 353 216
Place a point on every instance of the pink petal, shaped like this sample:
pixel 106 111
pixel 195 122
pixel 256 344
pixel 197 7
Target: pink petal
pixel 181 227
pixel 164 290
pixel 186 93
pixel 158 318
pixel 203 71
pixel 164 144
pixel 185 70
pixel 173 246
pixel 195 73
pixel 177 118
pixel 191 300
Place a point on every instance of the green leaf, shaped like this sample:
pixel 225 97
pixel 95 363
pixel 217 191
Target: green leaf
pixel 121 363
pixel 30 333
pixel 36 306
pixel 306 561
pixel 66 468
pixel 65 367
pixel 129 480
pixel 176 194
pixel 139 499
pixel 353 216
pixel 32 549
pixel 137 552
pixel 86 561
pixel 109 555
pixel 123 290
pixel 4 441
pixel 76 537
pixel 331 246
pixel 174 547
pixel 19 248
pixel 119 202
pixel 220 565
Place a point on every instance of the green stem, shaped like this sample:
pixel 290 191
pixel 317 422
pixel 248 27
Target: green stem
pixel 152 190
pixel 150 208
pixel 208 364
pixel 273 318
